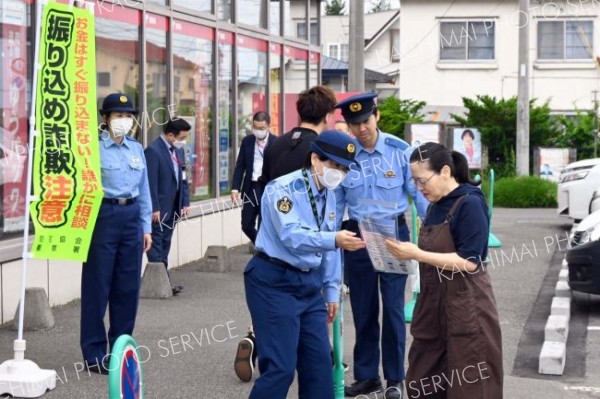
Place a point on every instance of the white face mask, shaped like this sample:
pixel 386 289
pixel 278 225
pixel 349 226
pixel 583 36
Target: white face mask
pixel 121 126
pixel 179 143
pixel 331 178
pixel 260 134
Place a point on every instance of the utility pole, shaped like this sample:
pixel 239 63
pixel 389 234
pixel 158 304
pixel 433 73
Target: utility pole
pixel 523 91
pixel 595 93
pixel 356 67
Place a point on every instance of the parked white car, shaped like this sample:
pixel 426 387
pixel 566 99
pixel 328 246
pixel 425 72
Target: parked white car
pixel 595 204
pixel 576 187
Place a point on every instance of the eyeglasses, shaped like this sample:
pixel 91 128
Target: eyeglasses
pixel 421 182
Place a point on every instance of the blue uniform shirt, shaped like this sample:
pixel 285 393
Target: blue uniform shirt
pixel 384 176
pixel 124 174
pixel 289 231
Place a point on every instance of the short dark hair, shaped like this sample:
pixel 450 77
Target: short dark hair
pixel 314 104
pixel 469 132
pixel 261 116
pixel 176 126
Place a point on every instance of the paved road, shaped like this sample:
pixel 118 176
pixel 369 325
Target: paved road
pixel 188 342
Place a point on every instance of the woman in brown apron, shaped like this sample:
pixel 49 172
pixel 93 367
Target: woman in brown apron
pixel 457 345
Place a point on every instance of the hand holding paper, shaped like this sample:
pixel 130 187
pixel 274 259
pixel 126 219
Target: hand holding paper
pixel 402 250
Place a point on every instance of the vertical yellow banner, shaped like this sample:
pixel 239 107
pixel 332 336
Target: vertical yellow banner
pixel 66 159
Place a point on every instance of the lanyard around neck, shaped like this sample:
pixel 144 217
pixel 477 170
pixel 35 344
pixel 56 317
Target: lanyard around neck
pixel 311 198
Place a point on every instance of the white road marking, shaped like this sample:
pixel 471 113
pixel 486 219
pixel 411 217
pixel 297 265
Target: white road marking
pixel 593 390
pixel 593 328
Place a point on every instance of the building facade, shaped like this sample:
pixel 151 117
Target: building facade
pixel 465 48
pixel 212 62
pixel 382 43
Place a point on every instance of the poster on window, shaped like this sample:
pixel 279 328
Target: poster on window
pixel 467 141
pixel 13 122
pixel 552 161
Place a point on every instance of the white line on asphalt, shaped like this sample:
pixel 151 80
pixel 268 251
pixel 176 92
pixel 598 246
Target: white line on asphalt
pixel 593 328
pixel 592 390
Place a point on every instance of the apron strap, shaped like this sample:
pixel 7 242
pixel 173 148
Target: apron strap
pixel 454 207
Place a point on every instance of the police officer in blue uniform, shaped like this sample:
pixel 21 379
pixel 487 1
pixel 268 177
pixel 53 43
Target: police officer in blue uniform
pixel 292 282
pixel 380 175
pixel 111 275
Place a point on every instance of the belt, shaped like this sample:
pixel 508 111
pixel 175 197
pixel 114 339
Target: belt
pixel 119 201
pixel 352 224
pixel 279 262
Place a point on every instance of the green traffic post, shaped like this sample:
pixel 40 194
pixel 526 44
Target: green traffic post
pixel 410 306
pixel 493 241
pixel 338 344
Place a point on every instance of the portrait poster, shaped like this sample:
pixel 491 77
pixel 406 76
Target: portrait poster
pixel 467 141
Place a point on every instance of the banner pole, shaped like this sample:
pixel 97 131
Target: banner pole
pixel 20 377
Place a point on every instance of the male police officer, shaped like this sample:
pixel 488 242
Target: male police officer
pixel 381 173
pixel 111 275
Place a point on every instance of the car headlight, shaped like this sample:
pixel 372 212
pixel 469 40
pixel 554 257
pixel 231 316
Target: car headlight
pixel 585 236
pixel 595 234
pixel 575 176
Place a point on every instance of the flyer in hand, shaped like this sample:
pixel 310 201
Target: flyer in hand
pixel 374 233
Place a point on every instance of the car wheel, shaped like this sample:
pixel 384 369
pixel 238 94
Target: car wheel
pixel 580 299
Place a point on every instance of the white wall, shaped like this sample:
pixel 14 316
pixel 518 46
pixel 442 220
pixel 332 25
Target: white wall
pixel 62 279
pixel 424 77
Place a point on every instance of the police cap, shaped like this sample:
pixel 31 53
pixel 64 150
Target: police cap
pixel 117 102
pixel 358 108
pixel 336 146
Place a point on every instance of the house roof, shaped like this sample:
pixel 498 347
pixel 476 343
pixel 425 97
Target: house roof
pixel 330 67
pixel 390 22
pixel 375 24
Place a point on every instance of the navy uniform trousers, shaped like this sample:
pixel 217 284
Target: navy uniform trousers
pixel 111 276
pixel 290 321
pixel 162 235
pixel 365 284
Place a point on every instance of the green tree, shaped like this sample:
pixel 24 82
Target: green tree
pixel 577 132
pixel 497 122
pixel 395 113
pixel 379 6
pixel 335 7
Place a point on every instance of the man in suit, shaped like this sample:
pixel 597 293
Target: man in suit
pixel 248 169
pixel 168 188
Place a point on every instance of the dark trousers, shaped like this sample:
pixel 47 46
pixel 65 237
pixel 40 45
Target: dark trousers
pixel 250 212
pixel 289 318
pixel 365 285
pixel 162 235
pixel 111 276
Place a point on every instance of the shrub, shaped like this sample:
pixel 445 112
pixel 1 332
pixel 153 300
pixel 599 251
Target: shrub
pixel 525 192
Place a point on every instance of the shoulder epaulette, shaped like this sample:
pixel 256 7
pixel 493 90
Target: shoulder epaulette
pixel 394 142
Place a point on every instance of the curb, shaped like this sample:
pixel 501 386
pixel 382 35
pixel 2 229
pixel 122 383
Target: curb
pixel 556 332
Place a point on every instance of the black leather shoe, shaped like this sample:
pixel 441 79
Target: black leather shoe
pixel 177 289
pixel 96 368
pixel 363 387
pixel 393 390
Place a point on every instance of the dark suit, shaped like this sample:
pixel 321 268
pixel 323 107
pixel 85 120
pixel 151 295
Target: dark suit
pixel 242 181
pixel 169 195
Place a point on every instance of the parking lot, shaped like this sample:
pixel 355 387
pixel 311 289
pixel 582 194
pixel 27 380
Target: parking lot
pixel 189 341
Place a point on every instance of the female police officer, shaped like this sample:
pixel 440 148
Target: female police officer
pixel 121 234
pixel 296 270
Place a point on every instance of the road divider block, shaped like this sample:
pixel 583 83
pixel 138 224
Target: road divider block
pixel 561 307
pixel 562 290
pixel 557 329
pixel 563 275
pixel 552 358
